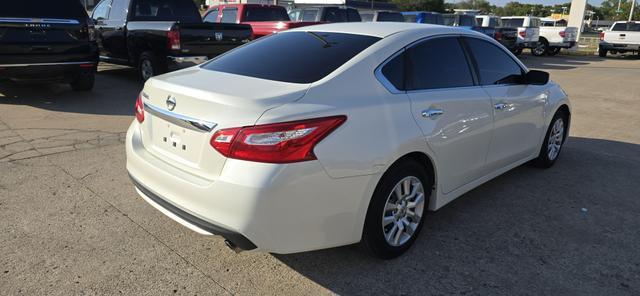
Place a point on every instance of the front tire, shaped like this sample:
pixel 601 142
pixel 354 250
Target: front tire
pixel 84 81
pixel 541 48
pixel 396 212
pixel 553 141
pixel 149 65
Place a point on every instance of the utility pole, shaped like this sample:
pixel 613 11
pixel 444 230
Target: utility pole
pixel 633 4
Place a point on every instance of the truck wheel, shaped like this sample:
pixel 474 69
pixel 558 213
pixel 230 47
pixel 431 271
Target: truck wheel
pixel 602 52
pixel 517 51
pixel 541 48
pixel 84 81
pixel 149 65
pixel 553 51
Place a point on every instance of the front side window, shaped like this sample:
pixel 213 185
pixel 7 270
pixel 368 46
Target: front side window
pixel 211 17
pixel 166 10
pixel 295 57
pixel 229 15
pixel 494 65
pixel 438 63
pixel 101 12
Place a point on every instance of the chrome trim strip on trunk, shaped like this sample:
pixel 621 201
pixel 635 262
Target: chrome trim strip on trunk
pixel 181 120
pixel 46 64
pixel 39 21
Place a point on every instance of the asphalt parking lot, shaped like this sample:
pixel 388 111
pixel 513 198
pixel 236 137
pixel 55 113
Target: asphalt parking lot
pixel 71 222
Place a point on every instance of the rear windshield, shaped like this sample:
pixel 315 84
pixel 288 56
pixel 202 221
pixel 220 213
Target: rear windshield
pixel 467 21
pixel 296 57
pixel 390 17
pixel 166 10
pixel 59 9
pixel 265 14
pixel 626 27
pixel 513 23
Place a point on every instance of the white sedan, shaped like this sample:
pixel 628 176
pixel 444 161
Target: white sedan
pixel 335 134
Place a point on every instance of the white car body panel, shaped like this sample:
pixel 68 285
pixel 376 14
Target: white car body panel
pixel 531 32
pixel 285 208
pixel 552 35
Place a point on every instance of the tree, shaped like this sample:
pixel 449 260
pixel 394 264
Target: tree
pixel 482 5
pixel 420 5
pixel 609 9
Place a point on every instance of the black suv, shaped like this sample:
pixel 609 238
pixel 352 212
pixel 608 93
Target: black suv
pixel 45 40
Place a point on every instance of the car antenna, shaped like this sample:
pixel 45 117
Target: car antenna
pixel 317 36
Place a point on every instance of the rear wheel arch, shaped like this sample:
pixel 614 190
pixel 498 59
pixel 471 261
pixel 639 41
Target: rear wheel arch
pixel 566 112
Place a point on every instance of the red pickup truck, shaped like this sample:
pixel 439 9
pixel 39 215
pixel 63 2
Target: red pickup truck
pixel 263 19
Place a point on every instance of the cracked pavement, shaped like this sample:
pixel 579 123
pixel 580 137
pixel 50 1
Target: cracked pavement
pixel 71 222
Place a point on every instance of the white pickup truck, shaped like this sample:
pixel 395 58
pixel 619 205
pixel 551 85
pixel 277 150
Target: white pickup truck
pixel 554 35
pixel 528 31
pixel 622 37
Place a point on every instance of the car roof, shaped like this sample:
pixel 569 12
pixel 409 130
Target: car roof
pixel 379 29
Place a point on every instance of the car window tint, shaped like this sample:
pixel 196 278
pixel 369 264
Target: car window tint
pixel 495 66
pixel 438 63
pixel 265 14
pixel 229 15
pixel 335 15
pixel 297 57
pixel 385 16
pixel 353 15
pixel 119 10
pixel 309 15
pixel 394 71
pixel 513 23
pixel 60 9
pixel 467 21
pixel 494 22
pixel 211 16
pixel 166 10
pixel 449 20
pixel 410 18
pixel 101 12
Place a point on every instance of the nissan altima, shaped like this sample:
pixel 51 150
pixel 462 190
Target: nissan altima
pixel 336 134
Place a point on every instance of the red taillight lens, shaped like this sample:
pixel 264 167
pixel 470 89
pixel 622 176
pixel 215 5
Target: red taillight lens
pixel 523 34
pixel 497 36
pixel 562 34
pixel 275 143
pixel 601 36
pixel 139 109
pixel 173 39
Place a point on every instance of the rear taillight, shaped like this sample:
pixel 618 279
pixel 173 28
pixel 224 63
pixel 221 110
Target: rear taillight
pixel 497 36
pixel 523 34
pixel 139 109
pixel 173 39
pixel 601 36
pixel 275 143
pixel 562 34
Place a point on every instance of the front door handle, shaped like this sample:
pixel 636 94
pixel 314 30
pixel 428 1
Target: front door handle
pixel 432 113
pixel 501 106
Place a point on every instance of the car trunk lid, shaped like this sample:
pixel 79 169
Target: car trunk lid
pixel 213 100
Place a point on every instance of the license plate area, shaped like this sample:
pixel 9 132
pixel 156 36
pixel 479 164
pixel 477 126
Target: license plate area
pixel 175 142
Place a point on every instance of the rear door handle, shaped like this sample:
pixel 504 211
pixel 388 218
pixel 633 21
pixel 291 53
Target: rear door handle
pixel 501 106
pixel 432 113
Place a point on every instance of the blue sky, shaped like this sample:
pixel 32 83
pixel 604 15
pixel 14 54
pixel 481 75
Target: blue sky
pixel 545 2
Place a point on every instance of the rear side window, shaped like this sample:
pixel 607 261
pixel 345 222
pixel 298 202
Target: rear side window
pixel 335 15
pixel 495 66
pixel 166 10
pixel 513 23
pixel 265 14
pixel 101 12
pixel 494 22
pixel 394 71
pixel 211 17
pixel 438 63
pixel 626 27
pixel 390 17
pixel 229 15
pixel 309 15
pixel 467 21
pixel 296 57
pixel 59 9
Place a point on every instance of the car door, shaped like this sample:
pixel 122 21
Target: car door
pixel 116 37
pixel 100 15
pixel 454 114
pixel 517 108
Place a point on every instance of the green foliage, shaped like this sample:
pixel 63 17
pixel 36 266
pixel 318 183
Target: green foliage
pixel 609 9
pixel 420 5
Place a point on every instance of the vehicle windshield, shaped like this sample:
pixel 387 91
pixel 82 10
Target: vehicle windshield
pixel 265 14
pixel 467 21
pixel 166 10
pixel 295 57
pixel 631 26
pixel 513 23
pixel 59 9
pixel 385 16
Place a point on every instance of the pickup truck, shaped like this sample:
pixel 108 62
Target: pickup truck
pixel 491 25
pixel 459 20
pixel 52 41
pixel 325 14
pixel 423 17
pixel 554 35
pixel 381 16
pixel 264 19
pixel 158 36
pixel 622 37
pixel 528 31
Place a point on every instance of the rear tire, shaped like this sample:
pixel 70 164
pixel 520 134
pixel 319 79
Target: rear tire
pixel 602 52
pixel 149 65
pixel 553 141
pixel 84 81
pixel 517 51
pixel 541 48
pixel 396 212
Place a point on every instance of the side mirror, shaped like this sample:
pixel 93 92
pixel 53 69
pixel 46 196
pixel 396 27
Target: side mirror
pixel 536 77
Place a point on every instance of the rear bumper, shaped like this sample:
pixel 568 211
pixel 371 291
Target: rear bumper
pixel 181 62
pixel 568 44
pixel 619 47
pixel 64 71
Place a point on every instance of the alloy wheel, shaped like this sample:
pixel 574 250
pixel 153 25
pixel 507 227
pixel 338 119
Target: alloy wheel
pixel 556 136
pixel 146 68
pixel 403 211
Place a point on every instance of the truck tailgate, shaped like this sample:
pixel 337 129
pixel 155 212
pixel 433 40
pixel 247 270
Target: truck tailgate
pixel 211 39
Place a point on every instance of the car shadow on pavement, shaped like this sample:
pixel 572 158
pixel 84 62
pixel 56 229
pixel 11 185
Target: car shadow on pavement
pixel 567 62
pixel 570 229
pixel 115 92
